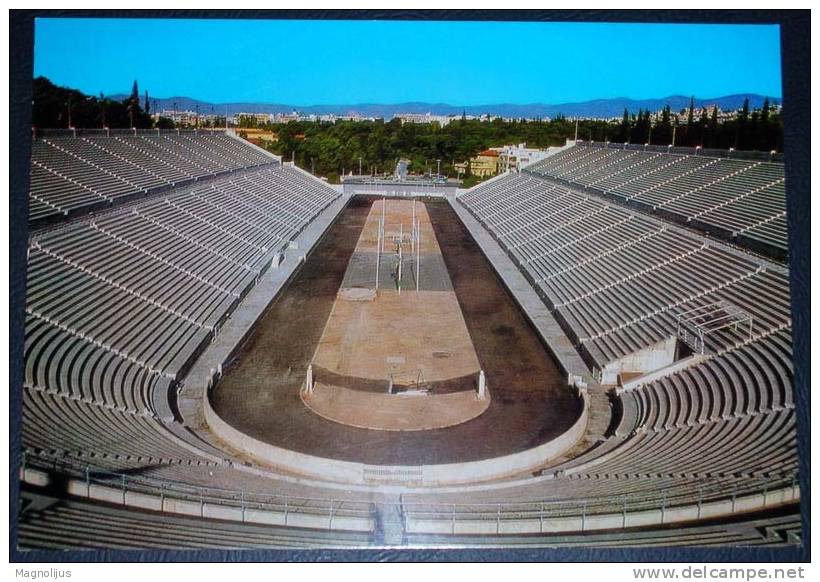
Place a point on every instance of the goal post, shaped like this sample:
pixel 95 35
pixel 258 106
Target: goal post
pixel 391 252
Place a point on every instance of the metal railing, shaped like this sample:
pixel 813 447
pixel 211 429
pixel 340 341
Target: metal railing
pixel 660 495
pixel 205 496
pixel 663 501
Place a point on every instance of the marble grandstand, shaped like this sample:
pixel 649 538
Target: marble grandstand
pixel 72 174
pixel 741 199
pixel 143 246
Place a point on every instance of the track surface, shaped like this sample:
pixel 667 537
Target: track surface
pixel 259 392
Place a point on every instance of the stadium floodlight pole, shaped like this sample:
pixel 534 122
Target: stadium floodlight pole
pixel 360 165
pixel 418 251
pixel 401 259
pixel 384 233
pixel 438 168
pixel 413 234
pixel 674 129
pixel 576 130
pixel 378 252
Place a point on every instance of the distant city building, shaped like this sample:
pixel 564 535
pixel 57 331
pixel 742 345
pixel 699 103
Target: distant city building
pixel 349 117
pixel 326 117
pixel 515 157
pixel 483 165
pixel 423 118
pixel 285 117
pixel 258 118
pixel 183 118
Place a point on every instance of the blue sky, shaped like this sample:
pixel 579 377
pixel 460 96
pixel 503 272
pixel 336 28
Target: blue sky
pixel 460 63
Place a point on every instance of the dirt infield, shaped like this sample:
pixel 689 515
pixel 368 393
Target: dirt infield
pixel 259 392
pixel 397 334
pixel 394 412
pixel 420 333
pixel 405 338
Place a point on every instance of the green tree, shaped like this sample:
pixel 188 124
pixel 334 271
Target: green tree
pixel 690 118
pixel 133 104
pixel 625 127
pixel 741 124
pixel 713 128
pixel 662 134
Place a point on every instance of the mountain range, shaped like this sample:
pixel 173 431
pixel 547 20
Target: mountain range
pixel 598 108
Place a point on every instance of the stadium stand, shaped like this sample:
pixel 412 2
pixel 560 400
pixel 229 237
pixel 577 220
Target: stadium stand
pixel 615 278
pixel 121 302
pixel 739 200
pixel 75 174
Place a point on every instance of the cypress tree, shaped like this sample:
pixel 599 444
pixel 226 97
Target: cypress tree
pixel 133 103
pixel 702 128
pixel 665 127
pixel 713 126
pixel 740 126
pixel 755 141
pixel 744 113
pixel 625 126
pixel 765 132
pixel 691 117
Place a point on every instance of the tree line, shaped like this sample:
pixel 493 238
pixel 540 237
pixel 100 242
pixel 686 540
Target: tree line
pixel 328 148
pixel 760 129
pixel 60 107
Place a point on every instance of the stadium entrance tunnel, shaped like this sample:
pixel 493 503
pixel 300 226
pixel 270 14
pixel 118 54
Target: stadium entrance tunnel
pixel 344 340
pixel 657 360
